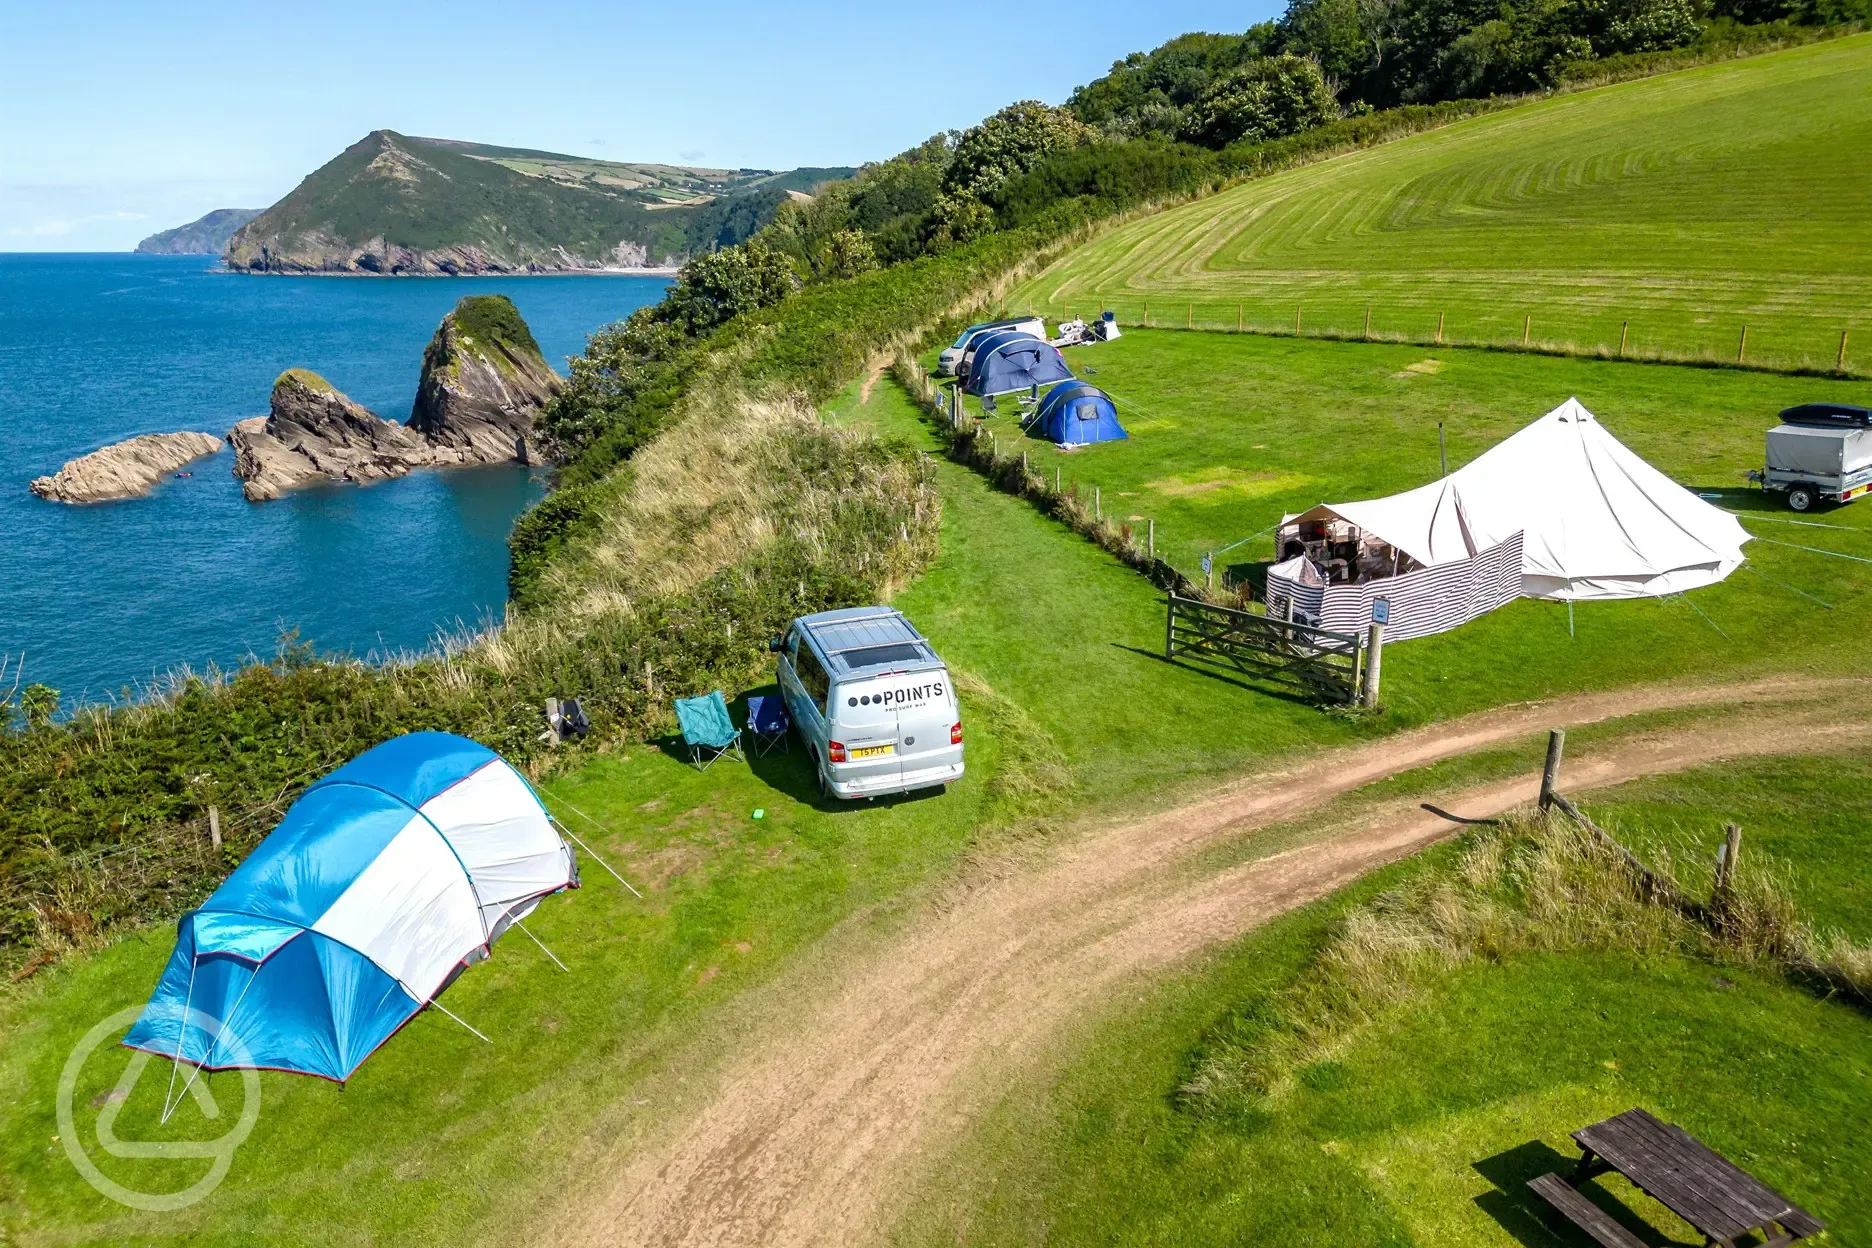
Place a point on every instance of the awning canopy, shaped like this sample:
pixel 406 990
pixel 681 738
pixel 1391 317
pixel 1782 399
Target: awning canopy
pixel 1598 521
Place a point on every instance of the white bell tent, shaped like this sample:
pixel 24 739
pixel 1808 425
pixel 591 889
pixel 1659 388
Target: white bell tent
pixel 1592 521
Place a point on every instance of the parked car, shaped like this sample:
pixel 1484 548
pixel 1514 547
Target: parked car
pixel 949 363
pixel 872 702
pixel 1820 452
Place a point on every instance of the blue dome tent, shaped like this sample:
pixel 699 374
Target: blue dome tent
pixel 985 341
pixel 383 881
pixel 1076 414
pixel 1014 362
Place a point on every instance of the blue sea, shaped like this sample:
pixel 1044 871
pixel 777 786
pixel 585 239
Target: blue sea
pixel 96 348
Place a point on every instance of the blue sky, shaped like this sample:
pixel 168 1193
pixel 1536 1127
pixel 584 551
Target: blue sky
pixel 117 120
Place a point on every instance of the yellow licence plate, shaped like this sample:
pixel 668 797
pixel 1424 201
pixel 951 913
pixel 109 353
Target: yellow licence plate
pixel 871 751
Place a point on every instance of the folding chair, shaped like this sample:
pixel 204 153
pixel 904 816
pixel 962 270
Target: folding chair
pixel 706 727
pixel 768 723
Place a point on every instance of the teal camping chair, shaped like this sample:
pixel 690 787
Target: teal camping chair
pixel 706 727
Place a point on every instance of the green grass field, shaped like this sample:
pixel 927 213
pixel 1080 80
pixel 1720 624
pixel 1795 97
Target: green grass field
pixel 422 1144
pixel 1689 205
pixel 1069 711
pixel 1422 1126
pixel 1228 432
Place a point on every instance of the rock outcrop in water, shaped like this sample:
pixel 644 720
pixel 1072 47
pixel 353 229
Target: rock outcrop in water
pixel 313 432
pixel 483 384
pixel 124 469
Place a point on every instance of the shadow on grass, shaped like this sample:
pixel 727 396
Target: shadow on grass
pixel 1528 1219
pixel 786 767
pixel 1229 676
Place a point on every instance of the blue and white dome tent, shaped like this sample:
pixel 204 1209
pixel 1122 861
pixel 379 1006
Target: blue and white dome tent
pixel 384 880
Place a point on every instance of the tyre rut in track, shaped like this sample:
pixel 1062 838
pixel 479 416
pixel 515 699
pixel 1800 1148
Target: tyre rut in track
pixel 813 1134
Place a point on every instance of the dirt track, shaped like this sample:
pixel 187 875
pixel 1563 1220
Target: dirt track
pixel 813 1134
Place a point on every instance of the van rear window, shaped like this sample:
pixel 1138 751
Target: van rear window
pixel 880 656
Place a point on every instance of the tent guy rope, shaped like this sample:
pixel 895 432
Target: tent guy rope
pixel 588 849
pixel 542 944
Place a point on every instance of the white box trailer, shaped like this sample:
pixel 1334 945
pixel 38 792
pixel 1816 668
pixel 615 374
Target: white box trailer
pixel 1820 453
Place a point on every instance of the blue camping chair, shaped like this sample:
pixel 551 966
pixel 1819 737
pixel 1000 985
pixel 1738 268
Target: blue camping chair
pixel 768 723
pixel 706 727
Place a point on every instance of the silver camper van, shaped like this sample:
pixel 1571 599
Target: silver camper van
pixel 872 702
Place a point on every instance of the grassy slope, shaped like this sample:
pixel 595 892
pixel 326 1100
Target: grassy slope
pixel 1014 599
pixel 1688 204
pixel 1424 1128
pixel 1806 814
pixel 1228 432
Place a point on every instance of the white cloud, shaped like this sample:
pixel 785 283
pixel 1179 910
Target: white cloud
pixel 58 227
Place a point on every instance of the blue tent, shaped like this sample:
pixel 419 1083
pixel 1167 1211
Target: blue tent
pixel 1077 413
pixel 985 341
pixel 1011 362
pixel 384 880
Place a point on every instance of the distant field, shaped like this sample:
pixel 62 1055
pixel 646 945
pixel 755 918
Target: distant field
pixel 1229 432
pixel 1689 205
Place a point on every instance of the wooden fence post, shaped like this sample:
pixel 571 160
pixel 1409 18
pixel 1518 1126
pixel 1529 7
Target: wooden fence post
pixel 1147 312
pixel 1550 771
pixel 1209 570
pixel 1170 626
pixel 214 827
pixel 1527 328
pixel 1238 329
pixel 1023 470
pixel 1098 506
pixel 1839 365
pixel 1374 663
pixel 1742 345
pixel 1189 317
pixel 1439 328
pixel 1726 855
pixel 1056 478
pixel 1624 329
pixel 1150 539
pixel 1368 320
pixel 1296 320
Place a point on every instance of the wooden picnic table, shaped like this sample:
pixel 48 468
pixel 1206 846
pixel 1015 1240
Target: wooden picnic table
pixel 1698 1184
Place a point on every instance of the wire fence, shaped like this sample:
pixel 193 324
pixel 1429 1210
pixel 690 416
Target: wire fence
pixel 1773 344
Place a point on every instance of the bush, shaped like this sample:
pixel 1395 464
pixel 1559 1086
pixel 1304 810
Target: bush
pixel 1011 142
pixel 714 289
pixel 1268 98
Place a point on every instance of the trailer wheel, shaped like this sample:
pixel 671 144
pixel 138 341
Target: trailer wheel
pixel 1802 497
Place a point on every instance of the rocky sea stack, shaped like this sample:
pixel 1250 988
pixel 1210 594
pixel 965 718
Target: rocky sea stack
pixel 124 469
pixel 312 431
pixel 483 384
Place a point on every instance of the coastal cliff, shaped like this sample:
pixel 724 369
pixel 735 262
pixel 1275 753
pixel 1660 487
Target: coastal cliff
pixel 394 204
pixel 484 382
pixel 124 469
pixel 313 432
pixel 205 236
